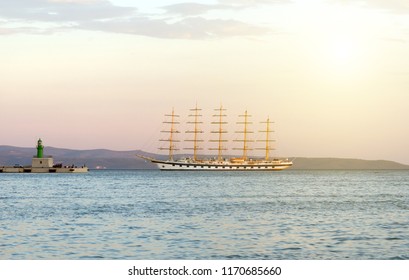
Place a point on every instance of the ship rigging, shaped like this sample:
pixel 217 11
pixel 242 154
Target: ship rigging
pixel 243 163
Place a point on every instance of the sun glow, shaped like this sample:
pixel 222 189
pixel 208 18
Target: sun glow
pixel 344 51
pixel 336 36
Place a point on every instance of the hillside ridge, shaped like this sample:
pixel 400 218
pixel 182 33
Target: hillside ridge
pixel 109 159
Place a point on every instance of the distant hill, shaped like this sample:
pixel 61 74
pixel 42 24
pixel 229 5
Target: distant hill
pixel 107 159
pixel 94 159
pixel 344 163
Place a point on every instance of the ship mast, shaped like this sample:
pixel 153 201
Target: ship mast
pixel 195 131
pixel 220 131
pixel 245 132
pixel 172 148
pixel 267 140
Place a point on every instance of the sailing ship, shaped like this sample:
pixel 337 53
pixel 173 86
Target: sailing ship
pixel 219 163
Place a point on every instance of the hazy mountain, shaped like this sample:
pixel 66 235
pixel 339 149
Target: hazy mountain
pixel 102 158
pixel 98 158
pixel 344 163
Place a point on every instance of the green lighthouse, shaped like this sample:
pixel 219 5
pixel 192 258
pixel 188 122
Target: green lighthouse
pixel 40 148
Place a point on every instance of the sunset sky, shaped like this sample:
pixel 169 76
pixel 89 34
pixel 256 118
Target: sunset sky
pixel 84 74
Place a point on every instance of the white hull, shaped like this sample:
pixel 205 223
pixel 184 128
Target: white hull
pixel 189 165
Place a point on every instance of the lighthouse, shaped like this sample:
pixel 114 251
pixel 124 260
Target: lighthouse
pixel 40 163
pixel 40 148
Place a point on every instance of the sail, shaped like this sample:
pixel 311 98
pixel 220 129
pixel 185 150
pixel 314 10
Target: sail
pixel 172 131
pixel 267 140
pixel 245 133
pixel 196 131
pixel 220 131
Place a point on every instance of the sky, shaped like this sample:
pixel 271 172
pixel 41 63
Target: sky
pixel 333 75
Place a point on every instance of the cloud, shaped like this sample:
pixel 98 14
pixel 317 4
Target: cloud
pixel 392 6
pixel 189 9
pixel 395 6
pixel 189 28
pixel 74 1
pixel 26 30
pixel 253 2
pixel 10 31
pixel 61 10
pixel 102 15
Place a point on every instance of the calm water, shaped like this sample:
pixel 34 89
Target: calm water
pixel 164 215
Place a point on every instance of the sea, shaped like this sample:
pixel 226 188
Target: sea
pixel 156 215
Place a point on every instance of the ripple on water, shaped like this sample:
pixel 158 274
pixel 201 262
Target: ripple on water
pixel 160 215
